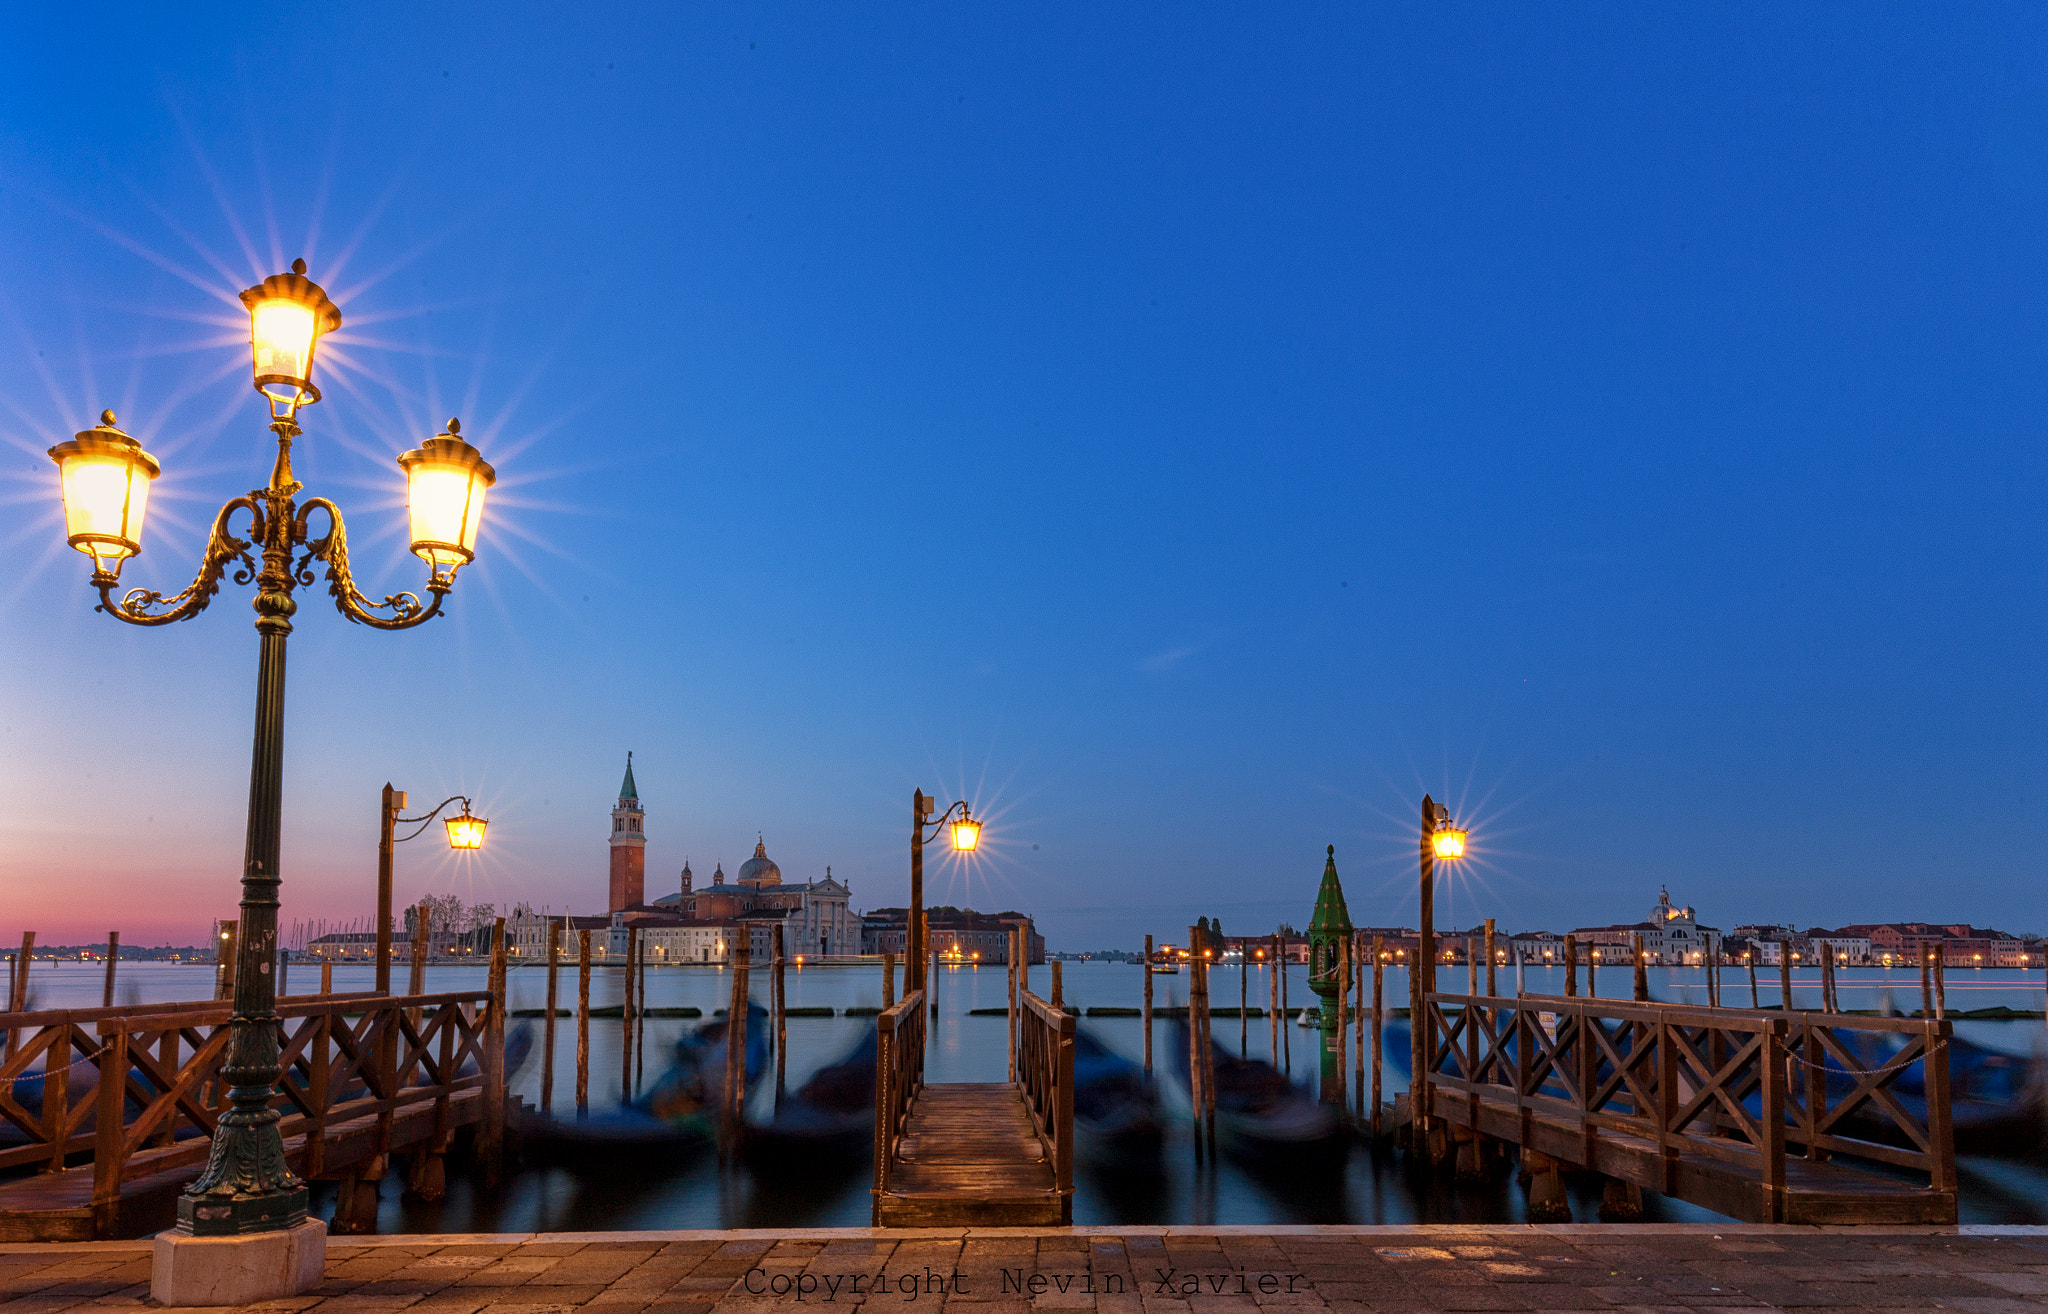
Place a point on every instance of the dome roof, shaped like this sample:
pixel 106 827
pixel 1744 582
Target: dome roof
pixel 759 869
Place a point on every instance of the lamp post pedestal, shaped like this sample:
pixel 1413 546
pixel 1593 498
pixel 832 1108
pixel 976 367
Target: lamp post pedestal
pixel 188 1270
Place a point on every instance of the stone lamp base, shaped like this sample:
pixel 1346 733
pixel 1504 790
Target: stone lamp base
pixel 238 1270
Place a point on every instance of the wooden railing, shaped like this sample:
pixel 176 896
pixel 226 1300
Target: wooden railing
pixel 899 1076
pixel 1732 1085
pixel 343 1057
pixel 1045 1071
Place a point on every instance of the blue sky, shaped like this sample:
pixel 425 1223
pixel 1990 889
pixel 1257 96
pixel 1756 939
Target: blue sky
pixel 1190 433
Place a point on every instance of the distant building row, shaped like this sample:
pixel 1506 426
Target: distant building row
pixel 1674 936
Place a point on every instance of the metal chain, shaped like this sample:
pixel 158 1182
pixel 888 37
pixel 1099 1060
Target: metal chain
pixel 1899 1065
pixel 44 1074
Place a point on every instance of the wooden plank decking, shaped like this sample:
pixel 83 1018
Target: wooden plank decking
pixel 969 1156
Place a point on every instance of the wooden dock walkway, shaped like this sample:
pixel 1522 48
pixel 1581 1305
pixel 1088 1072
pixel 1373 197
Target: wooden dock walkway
pixel 1741 1111
pixel 969 1155
pixel 983 1154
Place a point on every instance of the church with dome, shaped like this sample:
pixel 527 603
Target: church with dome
pixel 700 924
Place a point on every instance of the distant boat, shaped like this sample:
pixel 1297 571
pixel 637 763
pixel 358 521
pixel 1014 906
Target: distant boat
pixel 1116 1108
pixel 1265 1121
pixel 1166 969
pixel 677 1118
pixel 830 1118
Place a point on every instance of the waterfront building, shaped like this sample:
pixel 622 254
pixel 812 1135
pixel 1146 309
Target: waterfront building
pixel 1672 936
pixel 956 933
pixel 1961 944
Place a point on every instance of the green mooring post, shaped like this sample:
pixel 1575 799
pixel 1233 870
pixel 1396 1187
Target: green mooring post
pixel 1328 930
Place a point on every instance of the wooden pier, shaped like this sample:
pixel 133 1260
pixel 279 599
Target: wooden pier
pixel 983 1154
pixel 1725 1108
pixel 130 1097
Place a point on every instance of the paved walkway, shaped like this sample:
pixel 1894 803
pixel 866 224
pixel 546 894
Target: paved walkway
pixel 1349 1270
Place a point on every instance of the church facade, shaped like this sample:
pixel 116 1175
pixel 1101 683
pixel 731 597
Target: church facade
pixel 816 917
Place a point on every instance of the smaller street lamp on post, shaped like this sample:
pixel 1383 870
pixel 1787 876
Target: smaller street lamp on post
pixel 966 839
pixel 464 832
pixel 1441 838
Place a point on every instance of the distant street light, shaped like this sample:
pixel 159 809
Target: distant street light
pixel 966 839
pixel 464 832
pixel 105 476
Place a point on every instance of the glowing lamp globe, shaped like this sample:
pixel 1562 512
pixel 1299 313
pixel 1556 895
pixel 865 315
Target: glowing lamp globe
pixel 288 313
pixel 445 483
pixel 966 835
pixel 105 477
pixel 1448 842
pixel 465 831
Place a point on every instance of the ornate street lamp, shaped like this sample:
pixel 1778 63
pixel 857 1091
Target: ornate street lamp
pixel 966 839
pixel 246 1186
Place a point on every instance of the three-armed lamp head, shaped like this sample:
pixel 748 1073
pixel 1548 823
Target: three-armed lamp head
pixel 465 831
pixel 287 315
pixel 966 833
pixel 445 482
pixel 106 477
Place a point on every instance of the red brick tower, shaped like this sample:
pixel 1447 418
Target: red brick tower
pixel 629 846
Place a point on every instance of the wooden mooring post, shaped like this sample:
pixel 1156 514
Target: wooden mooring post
pixel 326 977
pixel 1379 1014
pixel 1342 969
pixel 1010 960
pixel 1358 948
pixel 1286 1032
pixel 1941 982
pixel 1490 982
pixel 733 1108
pixel 889 988
pixel 779 1023
pixel 626 1017
pixel 640 1024
pixel 422 945
pixel 1147 1010
pixel 1571 967
pixel 1785 975
pixel 223 963
pixel 582 1023
pixel 1273 1007
pixel 547 1030
pixel 113 957
pixel 490 1140
pixel 1749 961
pixel 1244 981
pixel 1642 968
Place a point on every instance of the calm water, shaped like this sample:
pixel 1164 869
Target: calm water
pixel 1367 1189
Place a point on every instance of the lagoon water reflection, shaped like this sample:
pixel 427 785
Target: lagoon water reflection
pixel 1367 1189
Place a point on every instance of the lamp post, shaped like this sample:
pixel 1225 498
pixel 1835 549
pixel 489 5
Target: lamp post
pixel 1441 838
pixel 464 832
pixel 966 839
pixel 246 1186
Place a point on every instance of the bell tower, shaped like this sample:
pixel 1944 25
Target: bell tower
pixel 629 847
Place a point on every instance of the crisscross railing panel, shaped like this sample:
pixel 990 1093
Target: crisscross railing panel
pixel 899 1076
pixel 1045 1072
pixel 1734 1085
pixel 139 1087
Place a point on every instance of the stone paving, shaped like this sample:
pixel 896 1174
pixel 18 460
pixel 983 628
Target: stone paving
pixel 1346 1270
